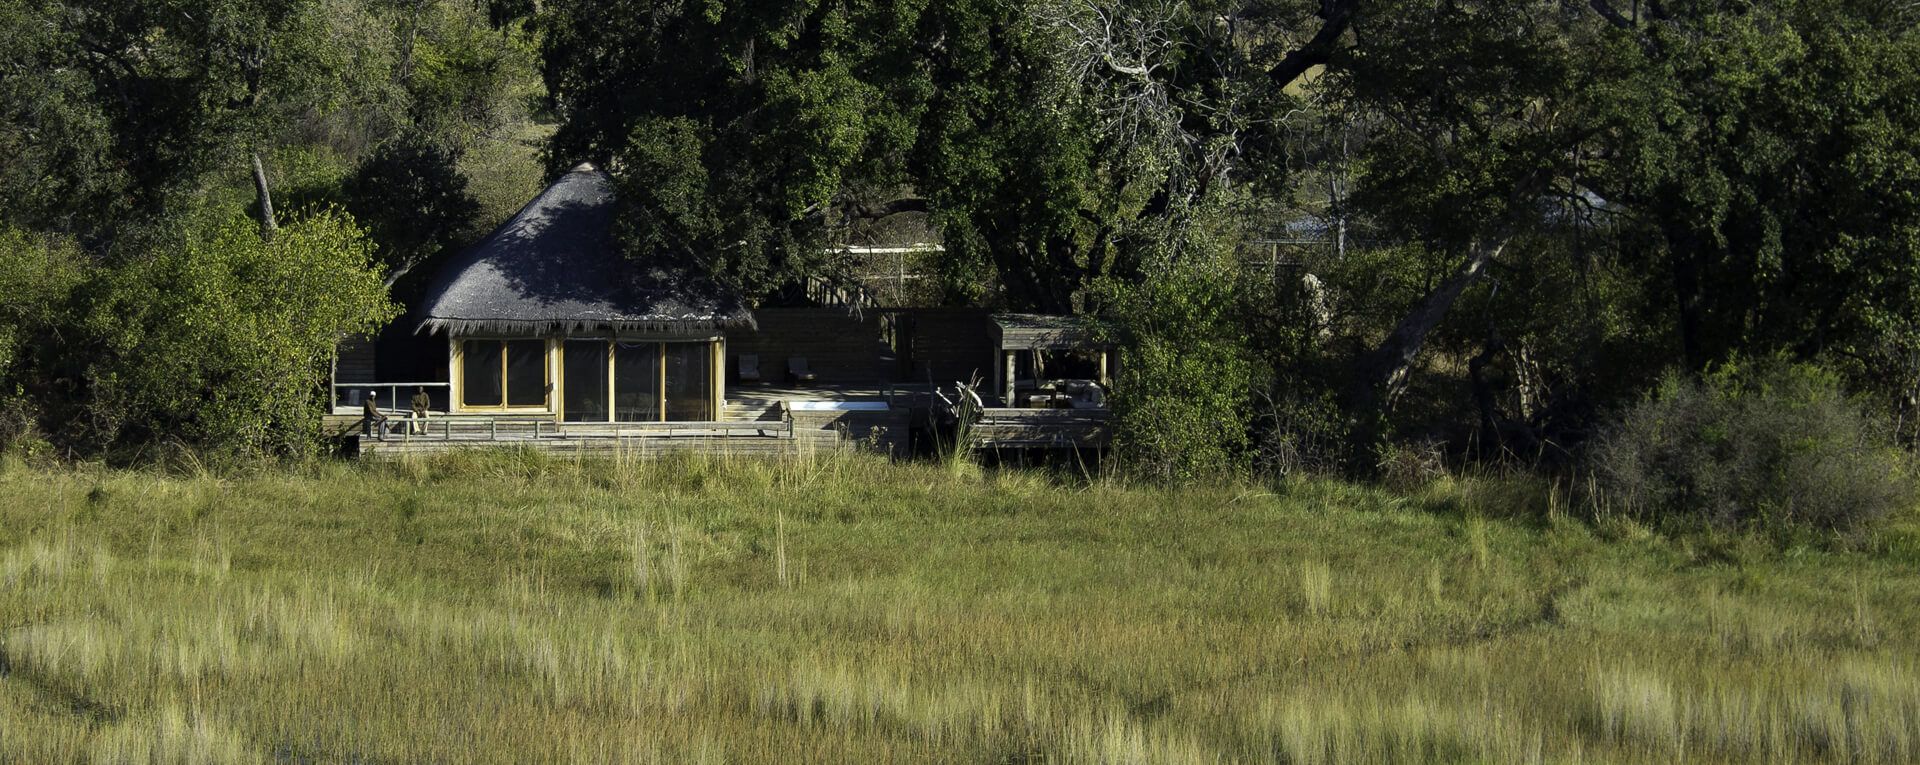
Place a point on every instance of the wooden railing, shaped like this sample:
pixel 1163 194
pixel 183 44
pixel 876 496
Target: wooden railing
pixel 1041 428
pixel 349 394
pixel 505 428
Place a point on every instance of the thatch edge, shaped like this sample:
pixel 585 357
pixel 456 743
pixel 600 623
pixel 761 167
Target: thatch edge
pixel 572 326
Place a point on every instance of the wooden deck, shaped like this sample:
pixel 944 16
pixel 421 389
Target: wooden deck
pixel 762 420
pixel 1001 428
pixel 747 427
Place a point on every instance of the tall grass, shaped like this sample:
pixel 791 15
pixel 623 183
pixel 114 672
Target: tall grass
pixel 525 608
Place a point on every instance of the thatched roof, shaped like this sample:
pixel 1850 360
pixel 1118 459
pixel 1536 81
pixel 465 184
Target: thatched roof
pixel 1046 332
pixel 555 267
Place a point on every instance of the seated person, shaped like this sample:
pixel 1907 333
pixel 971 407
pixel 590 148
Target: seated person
pixel 372 421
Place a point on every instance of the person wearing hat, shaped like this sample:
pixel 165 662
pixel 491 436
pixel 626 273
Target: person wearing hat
pixel 421 403
pixel 373 423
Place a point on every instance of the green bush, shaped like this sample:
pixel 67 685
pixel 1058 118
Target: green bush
pixel 38 276
pixel 1182 401
pixel 1769 446
pixel 220 339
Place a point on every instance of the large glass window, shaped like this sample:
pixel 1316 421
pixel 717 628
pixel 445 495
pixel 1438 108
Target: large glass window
pixel 642 382
pixel 586 380
pixel 636 382
pixel 526 372
pixel 480 373
pixel 689 381
pixel 497 373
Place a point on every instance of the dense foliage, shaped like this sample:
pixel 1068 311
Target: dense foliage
pixel 222 339
pixel 1764 445
pixel 214 338
pixel 1321 228
pixel 140 136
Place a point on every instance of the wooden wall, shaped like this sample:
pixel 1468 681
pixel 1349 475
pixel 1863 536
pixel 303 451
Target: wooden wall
pixel 882 345
pixel 354 362
pixel 838 347
pixel 953 344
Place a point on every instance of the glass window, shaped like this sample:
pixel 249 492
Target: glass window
pixel 689 381
pixel 526 372
pixel 480 373
pixel 586 381
pixel 636 382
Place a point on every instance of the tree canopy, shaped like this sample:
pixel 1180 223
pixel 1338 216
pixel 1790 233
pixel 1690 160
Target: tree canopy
pixel 1530 209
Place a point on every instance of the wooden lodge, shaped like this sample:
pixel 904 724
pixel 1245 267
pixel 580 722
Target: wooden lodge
pixel 545 335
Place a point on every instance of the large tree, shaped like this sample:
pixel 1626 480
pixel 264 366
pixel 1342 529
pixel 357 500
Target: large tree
pixel 1772 152
pixel 1036 135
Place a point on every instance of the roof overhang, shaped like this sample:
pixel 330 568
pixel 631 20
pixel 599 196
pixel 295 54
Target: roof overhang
pixel 1047 332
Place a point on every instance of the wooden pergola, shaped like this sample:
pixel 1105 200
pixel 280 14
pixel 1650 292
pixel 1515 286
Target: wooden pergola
pixel 1014 333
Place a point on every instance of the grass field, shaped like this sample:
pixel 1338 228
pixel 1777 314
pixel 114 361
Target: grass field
pixel 520 609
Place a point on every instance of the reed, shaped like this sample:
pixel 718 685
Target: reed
pixel 835 608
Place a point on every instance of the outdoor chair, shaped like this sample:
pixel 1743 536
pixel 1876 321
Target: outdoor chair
pixel 797 371
pixel 749 367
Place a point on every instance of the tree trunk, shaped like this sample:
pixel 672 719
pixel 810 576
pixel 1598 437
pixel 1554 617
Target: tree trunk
pixel 1489 441
pixel 1687 302
pixel 1382 372
pixel 267 223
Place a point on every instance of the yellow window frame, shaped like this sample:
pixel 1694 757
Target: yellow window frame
pixel 715 376
pixel 459 375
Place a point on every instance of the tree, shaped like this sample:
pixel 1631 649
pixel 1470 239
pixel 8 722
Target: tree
pixel 736 134
pixel 38 277
pixel 746 136
pixel 414 201
pixel 220 339
pixel 1770 153
pixel 164 93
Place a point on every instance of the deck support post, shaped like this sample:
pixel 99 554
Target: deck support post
pixel 1012 367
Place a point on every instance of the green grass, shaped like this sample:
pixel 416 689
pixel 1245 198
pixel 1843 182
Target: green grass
pixel 520 609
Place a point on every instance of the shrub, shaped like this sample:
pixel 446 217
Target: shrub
pixel 1298 435
pixel 221 339
pixel 1769 446
pixel 1182 401
pixel 37 278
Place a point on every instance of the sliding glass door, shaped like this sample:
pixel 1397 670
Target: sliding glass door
pixel 586 398
pixel 689 379
pixel 648 381
pixel 636 382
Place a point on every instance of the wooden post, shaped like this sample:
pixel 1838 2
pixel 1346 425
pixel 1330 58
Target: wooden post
pixel 999 370
pixel 1012 369
pixel 1104 382
pixel 717 372
pixel 455 384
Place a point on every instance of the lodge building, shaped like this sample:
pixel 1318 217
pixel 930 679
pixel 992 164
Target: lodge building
pixel 554 338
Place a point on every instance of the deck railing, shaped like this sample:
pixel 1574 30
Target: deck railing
pixel 352 394
pixel 1000 427
pixel 407 428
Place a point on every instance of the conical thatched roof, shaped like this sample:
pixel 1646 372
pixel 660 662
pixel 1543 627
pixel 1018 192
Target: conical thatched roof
pixel 555 267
